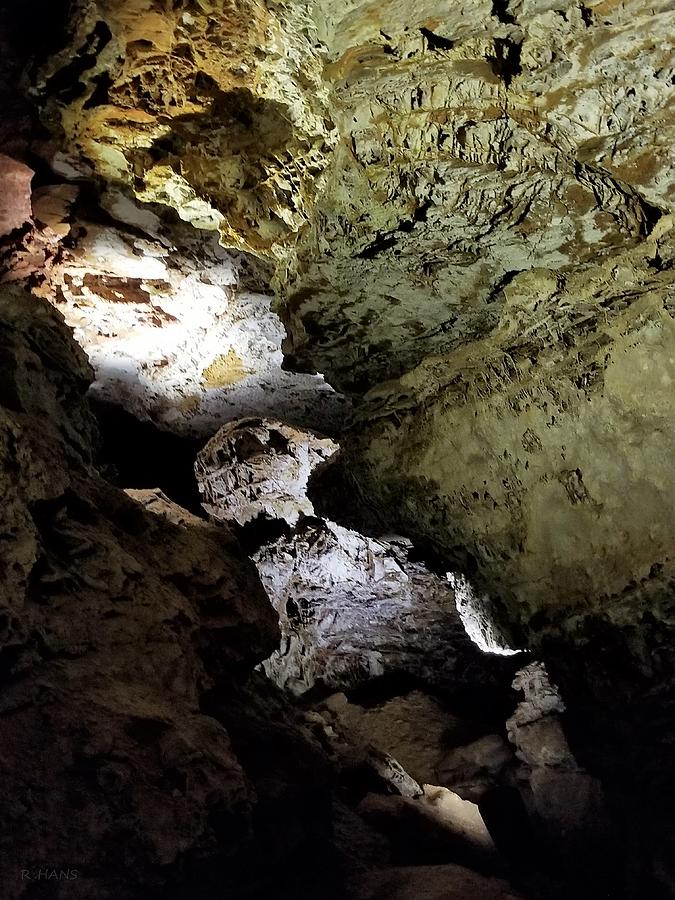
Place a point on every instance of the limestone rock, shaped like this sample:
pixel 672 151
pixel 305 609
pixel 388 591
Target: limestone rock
pixel 566 803
pixel 436 827
pixel 257 468
pixel 219 108
pixel 468 208
pixel 121 618
pixel 527 454
pixel 414 728
pixel 174 332
pixel 353 608
pixel 400 166
pixel 473 769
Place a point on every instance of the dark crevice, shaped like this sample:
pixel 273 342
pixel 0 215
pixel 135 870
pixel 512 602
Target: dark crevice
pixel 586 15
pixel 99 96
pixel 381 243
pixel 259 532
pixel 436 41
pixel 659 264
pixel 506 61
pixel 66 84
pixel 500 10
pixel 136 454
pixel 384 241
pixel 652 215
pixel 38 28
pixel 501 283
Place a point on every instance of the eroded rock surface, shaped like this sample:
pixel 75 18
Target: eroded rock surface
pixel 401 165
pixel 351 608
pixel 178 331
pixel 257 468
pixel 468 210
pixel 122 617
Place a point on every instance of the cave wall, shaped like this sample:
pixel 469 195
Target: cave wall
pixel 468 210
pixel 121 617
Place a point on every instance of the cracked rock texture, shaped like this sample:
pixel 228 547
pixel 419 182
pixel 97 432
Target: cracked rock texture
pixel 121 617
pixel 466 211
pixel 178 330
pixel 400 165
pixel 257 468
pixel 351 608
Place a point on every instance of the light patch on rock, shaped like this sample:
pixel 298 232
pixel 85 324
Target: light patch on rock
pixel 259 468
pixel 169 332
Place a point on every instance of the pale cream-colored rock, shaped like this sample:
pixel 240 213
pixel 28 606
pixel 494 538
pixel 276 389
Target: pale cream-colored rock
pixel 546 449
pixel 171 332
pixel 259 468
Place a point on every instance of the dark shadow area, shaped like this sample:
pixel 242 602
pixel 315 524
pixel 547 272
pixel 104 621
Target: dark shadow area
pixel 136 454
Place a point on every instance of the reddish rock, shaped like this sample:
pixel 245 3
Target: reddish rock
pixel 15 205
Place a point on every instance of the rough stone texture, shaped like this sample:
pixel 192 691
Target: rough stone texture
pixel 527 451
pixel 121 619
pixel 215 108
pixel 477 141
pixel 175 327
pixel 437 827
pixel 469 207
pixel 415 728
pixel 402 165
pixel 258 468
pixel 473 769
pixel 566 804
pixel 15 205
pixel 351 608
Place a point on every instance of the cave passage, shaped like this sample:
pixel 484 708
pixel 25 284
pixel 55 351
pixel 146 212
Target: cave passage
pixel 336 441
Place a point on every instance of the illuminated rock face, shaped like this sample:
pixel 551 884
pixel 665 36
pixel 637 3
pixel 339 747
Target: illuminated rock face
pixel 472 198
pixel 215 108
pixel 177 329
pixel 352 609
pixel 400 164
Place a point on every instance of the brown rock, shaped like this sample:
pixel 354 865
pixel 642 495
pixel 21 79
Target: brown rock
pixel 15 202
pixel 471 770
pixel 442 882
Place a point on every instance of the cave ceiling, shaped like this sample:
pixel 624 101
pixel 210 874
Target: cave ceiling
pixel 464 213
pixel 400 166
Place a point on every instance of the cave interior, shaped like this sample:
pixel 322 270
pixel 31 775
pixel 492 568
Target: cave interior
pixel 336 449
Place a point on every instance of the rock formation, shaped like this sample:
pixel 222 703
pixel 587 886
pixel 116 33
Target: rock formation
pixel 351 608
pixel 440 233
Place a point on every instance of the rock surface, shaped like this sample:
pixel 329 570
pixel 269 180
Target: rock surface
pixel 257 468
pixel 179 331
pixel 122 616
pixel 468 208
pixel 473 769
pixel 15 203
pixel 447 882
pixel 351 608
